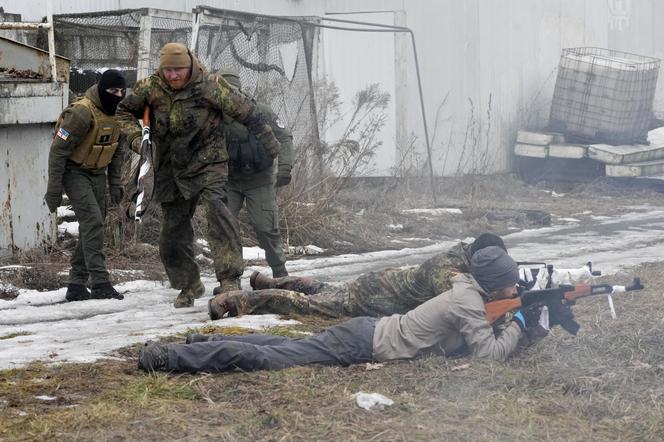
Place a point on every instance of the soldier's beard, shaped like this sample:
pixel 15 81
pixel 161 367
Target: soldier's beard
pixel 178 84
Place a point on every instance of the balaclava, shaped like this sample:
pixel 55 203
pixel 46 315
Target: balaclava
pixel 111 78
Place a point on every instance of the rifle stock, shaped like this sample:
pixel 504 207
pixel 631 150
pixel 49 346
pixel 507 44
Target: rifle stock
pixel 497 309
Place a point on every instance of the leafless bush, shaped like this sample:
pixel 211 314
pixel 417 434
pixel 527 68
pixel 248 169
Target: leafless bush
pixel 308 205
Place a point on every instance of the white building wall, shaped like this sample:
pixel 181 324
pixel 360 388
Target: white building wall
pixel 469 50
pixel 498 58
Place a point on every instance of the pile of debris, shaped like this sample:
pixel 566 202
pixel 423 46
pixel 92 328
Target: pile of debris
pixel 627 160
pixel 601 111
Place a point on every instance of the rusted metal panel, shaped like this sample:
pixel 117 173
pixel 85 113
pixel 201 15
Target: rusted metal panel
pixel 26 59
pixel 28 103
pixel 24 219
pixel 28 109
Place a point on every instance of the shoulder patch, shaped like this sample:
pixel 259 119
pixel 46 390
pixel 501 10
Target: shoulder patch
pixel 279 124
pixel 63 133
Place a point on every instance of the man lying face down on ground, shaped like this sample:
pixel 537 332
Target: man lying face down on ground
pixel 381 293
pixel 451 323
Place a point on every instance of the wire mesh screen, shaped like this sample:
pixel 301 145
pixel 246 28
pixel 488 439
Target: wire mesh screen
pixel 111 39
pixel 269 55
pixel 604 96
pixel 96 41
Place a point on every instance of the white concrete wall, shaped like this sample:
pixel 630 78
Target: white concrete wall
pixel 502 52
pixel 498 58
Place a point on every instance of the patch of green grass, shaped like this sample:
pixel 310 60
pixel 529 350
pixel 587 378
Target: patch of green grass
pixel 15 334
pixel 292 331
pixel 155 387
pixel 217 330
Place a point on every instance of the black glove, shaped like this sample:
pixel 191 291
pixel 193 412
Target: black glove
pixel 527 317
pixel 53 200
pixel 283 180
pixel 116 193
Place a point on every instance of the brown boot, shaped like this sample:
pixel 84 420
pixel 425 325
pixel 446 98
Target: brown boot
pixel 187 295
pixel 224 303
pixel 227 285
pixel 308 286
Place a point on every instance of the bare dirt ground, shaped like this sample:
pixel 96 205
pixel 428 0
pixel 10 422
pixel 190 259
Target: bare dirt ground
pixel 604 384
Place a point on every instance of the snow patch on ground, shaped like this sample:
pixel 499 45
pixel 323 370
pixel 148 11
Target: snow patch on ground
pixel 70 227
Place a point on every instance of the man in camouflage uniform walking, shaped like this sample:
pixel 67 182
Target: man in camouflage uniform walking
pixel 190 163
pixel 85 147
pixel 251 178
pixel 375 294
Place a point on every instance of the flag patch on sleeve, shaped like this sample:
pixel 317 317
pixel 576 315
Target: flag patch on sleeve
pixel 62 133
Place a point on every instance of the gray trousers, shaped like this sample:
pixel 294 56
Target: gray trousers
pixel 348 343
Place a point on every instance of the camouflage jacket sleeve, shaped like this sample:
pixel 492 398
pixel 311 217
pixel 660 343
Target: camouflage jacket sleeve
pixel 76 121
pixel 238 106
pixel 115 167
pixel 130 110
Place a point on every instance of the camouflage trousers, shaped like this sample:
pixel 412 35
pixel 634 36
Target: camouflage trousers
pixel 176 239
pixel 368 295
pixel 261 203
pixel 333 304
pixel 87 194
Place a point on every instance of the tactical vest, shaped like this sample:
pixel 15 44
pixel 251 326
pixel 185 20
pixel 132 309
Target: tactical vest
pixel 97 148
pixel 246 155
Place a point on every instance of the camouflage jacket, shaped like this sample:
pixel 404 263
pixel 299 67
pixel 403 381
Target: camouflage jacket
pixel 76 122
pixel 400 290
pixel 185 128
pixel 237 134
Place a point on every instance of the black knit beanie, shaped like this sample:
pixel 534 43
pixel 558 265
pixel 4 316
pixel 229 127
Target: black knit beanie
pixel 111 78
pixel 486 240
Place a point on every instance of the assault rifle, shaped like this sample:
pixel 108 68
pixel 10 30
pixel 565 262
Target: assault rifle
pixel 557 301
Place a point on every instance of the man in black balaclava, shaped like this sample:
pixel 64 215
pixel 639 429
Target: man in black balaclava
pixel 111 88
pixel 84 148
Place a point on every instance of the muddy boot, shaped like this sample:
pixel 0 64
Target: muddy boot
pixel 279 272
pixel 227 285
pixel 77 292
pixel 104 291
pixel 187 295
pixel 153 357
pixel 308 286
pixel 223 303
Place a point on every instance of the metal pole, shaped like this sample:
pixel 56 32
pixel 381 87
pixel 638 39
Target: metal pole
pixel 195 27
pixel 144 37
pixel 51 41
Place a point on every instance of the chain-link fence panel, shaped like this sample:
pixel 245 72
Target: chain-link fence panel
pixel 270 56
pixel 113 39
